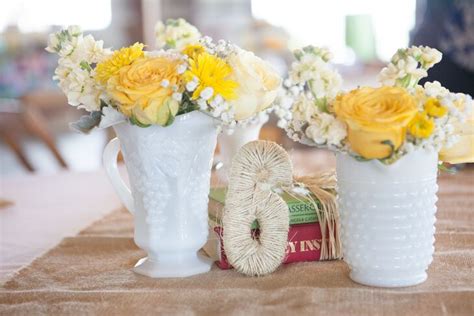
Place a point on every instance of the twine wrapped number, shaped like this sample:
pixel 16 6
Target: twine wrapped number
pixel 256 170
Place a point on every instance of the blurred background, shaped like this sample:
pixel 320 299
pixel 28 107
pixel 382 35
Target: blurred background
pixel 363 35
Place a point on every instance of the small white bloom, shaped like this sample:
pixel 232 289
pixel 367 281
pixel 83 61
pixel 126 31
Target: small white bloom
pixel 434 89
pixel 430 56
pixel 294 90
pixel 218 99
pixel 74 30
pixel 202 104
pixel 165 83
pixel 282 123
pixel 409 147
pixel 326 129
pixel 207 93
pixel 191 86
pixel 218 111
pixel 175 34
pixel 287 83
pixel 177 96
pixel 181 69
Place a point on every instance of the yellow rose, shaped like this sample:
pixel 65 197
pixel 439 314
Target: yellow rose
pixel 143 90
pixel 258 84
pixel 463 150
pixel 376 118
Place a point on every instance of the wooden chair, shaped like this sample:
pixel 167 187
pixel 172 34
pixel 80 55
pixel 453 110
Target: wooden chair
pixel 27 115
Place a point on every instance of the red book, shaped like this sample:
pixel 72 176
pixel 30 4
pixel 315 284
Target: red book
pixel 304 244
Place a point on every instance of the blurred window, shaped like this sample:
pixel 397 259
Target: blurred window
pixel 322 23
pixel 39 15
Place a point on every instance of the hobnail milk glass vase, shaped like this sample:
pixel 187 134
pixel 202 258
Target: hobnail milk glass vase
pixel 169 170
pixel 387 218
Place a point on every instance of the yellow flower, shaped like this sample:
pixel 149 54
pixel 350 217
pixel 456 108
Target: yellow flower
pixel 213 72
pixel 376 118
pixel 434 108
pixel 143 90
pixel 194 50
pixel 120 58
pixel 421 126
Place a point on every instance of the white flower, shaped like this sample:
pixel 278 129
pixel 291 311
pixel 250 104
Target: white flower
pixel 388 75
pixel 165 83
pixel 191 85
pixel 206 93
pixel 53 43
pixel 258 84
pixel 75 71
pixel 326 129
pixel 74 30
pixel 408 66
pixel 90 50
pixel 182 69
pixel 430 56
pixel 435 89
pixel 218 99
pixel 176 34
pixel 177 96
pixel 409 147
pixel 304 109
pixel 202 104
pixel 282 123
pixel 312 68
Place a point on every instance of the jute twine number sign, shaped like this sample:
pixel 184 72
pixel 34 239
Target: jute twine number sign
pixel 258 171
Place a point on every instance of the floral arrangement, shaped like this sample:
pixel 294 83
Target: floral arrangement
pixel 188 73
pixel 383 123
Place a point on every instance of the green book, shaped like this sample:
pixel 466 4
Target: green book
pixel 300 210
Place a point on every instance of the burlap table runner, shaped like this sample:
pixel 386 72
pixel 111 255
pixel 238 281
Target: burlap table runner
pixel 90 274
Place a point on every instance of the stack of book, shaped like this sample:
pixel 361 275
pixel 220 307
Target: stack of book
pixel 304 235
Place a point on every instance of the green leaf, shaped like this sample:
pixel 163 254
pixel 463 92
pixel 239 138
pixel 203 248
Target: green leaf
pixel 136 122
pixel 85 66
pixel 393 156
pixel 443 167
pixel 103 104
pixel 170 120
pixel 404 82
pixel 187 105
pixel 172 22
pixel 87 123
pixel 389 143
pixel 171 43
pixel 322 105
pixel 361 159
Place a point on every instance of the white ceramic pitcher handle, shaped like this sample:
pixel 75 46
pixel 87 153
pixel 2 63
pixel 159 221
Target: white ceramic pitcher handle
pixel 109 159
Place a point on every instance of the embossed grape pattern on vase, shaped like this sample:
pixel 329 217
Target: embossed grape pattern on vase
pixel 169 170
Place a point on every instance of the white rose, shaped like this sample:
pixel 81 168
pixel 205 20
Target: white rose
pixel 258 84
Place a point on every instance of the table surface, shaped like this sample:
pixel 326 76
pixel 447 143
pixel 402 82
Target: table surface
pixel 43 214
pixel 45 209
